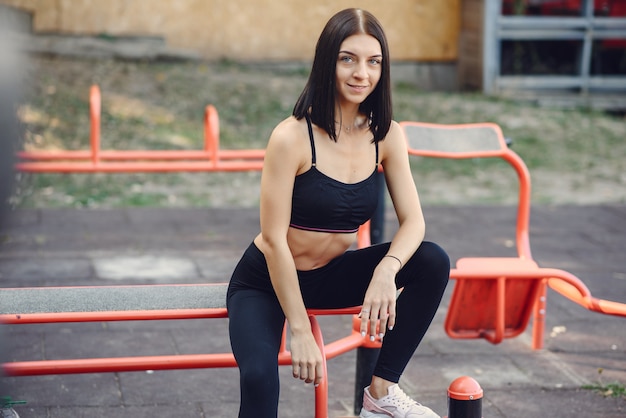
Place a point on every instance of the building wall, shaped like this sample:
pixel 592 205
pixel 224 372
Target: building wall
pixel 470 62
pixel 253 30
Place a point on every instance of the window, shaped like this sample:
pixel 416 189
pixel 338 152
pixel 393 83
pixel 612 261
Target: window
pixel 555 44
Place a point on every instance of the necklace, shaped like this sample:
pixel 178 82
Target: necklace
pixel 357 124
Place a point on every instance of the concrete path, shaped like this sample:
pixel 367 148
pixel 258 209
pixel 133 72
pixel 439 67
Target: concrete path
pixel 143 246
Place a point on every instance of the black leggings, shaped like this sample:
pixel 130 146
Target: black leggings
pixel 256 319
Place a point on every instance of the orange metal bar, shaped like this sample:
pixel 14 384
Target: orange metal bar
pixel 523 206
pixel 96 160
pixel 321 391
pixel 140 166
pixel 569 289
pixel 539 317
pixel 129 155
pixel 345 344
pixel 363 236
pixel 211 132
pixel 516 273
pixel 500 310
pixel 106 316
pixel 94 117
pixel 131 364
pixel 119 364
pixel 112 316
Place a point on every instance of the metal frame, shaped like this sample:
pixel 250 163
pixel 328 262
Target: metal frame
pixel 70 308
pixel 586 28
pixel 97 160
pixel 494 297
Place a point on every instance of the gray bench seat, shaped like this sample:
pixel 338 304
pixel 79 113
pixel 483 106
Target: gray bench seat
pixel 59 300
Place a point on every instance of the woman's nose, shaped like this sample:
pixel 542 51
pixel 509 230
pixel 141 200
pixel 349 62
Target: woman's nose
pixel 361 71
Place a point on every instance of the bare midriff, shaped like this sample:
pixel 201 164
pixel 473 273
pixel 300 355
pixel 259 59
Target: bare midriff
pixel 312 249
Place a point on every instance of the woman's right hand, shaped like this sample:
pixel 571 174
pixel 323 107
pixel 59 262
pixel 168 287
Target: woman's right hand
pixel 284 158
pixel 306 358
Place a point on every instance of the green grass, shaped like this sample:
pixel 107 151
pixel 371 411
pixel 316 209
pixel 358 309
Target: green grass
pixel 573 154
pixel 612 390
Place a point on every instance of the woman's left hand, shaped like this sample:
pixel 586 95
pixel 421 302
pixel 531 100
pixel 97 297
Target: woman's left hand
pixel 379 303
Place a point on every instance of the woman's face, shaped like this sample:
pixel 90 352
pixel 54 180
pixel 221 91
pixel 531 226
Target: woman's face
pixel 359 67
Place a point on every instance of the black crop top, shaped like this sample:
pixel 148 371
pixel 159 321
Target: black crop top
pixel 321 203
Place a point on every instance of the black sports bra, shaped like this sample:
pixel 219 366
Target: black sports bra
pixel 323 204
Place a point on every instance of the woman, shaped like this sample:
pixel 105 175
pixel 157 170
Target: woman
pixel 318 185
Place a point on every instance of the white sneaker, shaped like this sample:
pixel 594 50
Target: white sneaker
pixel 8 413
pixel 396 405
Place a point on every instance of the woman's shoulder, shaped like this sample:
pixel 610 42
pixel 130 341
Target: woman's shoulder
pixel 289 127
pixel 395 142
pixel 395 128
pixel 395 134
pixel 288 134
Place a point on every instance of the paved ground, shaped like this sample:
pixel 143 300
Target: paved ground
pixel 76 247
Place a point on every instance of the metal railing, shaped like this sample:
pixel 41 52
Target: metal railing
pixel 98 160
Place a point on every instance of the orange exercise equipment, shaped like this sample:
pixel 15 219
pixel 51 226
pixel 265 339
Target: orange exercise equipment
pixel 45 305
pixel 97 160
pixel 494 297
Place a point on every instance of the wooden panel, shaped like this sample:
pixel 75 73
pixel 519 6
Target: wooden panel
pixel 470 57
pixel 254 30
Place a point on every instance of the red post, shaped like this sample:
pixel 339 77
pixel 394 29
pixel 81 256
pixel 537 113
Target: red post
pixel 465 398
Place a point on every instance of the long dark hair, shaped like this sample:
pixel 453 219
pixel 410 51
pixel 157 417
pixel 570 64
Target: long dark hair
pixel 318 97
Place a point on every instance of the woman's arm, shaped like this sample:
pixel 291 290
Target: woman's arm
pixel 403 195
pixel 380 299
pixel 284 157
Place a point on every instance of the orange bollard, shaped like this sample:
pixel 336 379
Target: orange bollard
pixel 465 398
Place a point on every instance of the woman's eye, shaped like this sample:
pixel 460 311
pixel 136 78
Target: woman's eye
pixel 374 61
pixel 346 59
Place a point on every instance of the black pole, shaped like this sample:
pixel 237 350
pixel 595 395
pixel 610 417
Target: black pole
pixel 365 362
pixel 366 357
pixel 377 223
pixel 465 398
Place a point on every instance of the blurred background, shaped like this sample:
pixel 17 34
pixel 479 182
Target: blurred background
pixel 551 73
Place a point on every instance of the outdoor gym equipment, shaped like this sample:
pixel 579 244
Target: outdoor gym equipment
pixel 494 297
pixel 97 160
